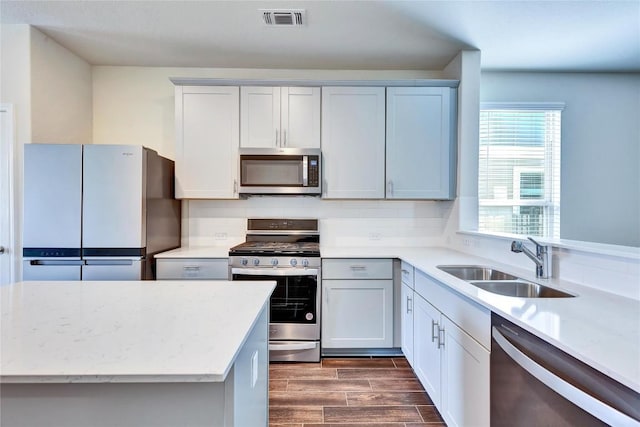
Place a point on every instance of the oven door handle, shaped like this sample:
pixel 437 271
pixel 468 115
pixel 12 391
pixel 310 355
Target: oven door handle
pixel 275 271
pixel 293 346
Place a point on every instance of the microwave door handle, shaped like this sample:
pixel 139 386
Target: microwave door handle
pixel 305 171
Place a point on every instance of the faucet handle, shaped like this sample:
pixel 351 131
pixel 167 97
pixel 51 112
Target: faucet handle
pixel 516 246
pixel 534 242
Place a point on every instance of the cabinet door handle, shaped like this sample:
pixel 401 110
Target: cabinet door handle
pixel 276 137
pixel 409 304
pixel 390 188
pixel 235 186
pixel 440 337
pixel 284 138
pixel 434 330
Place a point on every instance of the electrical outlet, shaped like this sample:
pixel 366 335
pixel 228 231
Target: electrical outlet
pixel 466 242
pixel 220 236
pixel 375 236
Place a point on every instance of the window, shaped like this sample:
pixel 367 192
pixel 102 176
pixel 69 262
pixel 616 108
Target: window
pixel 519 170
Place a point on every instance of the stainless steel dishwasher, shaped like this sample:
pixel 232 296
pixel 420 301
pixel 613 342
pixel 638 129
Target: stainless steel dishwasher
pixel 534 383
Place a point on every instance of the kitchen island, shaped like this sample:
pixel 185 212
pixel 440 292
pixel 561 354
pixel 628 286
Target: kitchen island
pixel 135 353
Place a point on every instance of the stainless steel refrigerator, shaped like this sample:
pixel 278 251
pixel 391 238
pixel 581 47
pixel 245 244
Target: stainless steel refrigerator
pixel 96 212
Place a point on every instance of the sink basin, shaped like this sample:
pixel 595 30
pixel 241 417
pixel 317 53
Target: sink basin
pixel 519 288
pixel 475 272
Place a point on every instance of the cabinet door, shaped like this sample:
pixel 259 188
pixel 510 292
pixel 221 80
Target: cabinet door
pixel 300 117
pixel 406 321
pixel 260 116
pixel 465 379
pixel 426 354
pixel 207 123
pixel 420 147
pixel 357 314
pixel 353 123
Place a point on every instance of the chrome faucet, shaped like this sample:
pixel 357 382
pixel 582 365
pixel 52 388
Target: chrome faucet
pixel 542 257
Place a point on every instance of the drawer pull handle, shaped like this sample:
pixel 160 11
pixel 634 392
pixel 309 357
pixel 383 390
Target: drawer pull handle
pixel 191 268
pixel 440 337
pixel 435 328
pixel 358 267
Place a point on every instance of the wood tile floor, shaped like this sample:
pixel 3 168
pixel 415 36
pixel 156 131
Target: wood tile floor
pixel 349 392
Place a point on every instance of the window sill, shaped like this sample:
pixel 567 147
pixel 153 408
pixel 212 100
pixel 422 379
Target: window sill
pixel 627 252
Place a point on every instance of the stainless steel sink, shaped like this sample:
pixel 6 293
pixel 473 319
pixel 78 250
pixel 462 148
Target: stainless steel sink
pixel 476 272
pixel 501 283
pixel 519 288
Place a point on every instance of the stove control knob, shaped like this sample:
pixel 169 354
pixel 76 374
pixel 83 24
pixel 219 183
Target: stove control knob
pixel 256 261
pixel 293 262
pixel 305 262
pixel 244 261
pixel 274 261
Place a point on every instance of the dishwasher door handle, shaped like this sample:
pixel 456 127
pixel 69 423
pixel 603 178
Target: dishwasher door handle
pixel 573 394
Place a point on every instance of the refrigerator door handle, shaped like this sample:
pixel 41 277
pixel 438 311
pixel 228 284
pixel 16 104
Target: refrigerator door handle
pixel 110 261
pixel 54 262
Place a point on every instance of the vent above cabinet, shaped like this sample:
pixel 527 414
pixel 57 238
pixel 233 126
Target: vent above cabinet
pixel 283 17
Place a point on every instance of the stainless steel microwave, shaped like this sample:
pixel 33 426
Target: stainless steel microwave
pixel 286 171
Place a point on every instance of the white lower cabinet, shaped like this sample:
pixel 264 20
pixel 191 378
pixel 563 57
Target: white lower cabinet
pixel 465 378
pixel 451 364
pixel 192 268
pixel 426 354
pixel 357 304
pixel 407 307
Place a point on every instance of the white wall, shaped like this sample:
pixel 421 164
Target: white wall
pixel 600 183
pixel 61 100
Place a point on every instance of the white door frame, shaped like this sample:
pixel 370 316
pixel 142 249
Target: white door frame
pixel 8 154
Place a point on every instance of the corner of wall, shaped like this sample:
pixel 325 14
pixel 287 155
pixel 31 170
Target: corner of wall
pixel 466 67
pixel 61 93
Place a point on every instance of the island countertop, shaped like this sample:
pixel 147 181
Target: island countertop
pixel 147 331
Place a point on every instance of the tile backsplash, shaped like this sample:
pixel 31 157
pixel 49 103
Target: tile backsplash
pixel 351 223
pixel 394 223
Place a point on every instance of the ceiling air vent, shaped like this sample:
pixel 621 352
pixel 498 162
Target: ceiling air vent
pixel 283 17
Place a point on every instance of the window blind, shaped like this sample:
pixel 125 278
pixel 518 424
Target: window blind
pixel 519 170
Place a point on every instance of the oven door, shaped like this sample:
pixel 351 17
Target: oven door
pixel 295 302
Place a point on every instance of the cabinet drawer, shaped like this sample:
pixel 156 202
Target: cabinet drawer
pixel 192 269
pixel 406 271
pixel 357 269
pixel 473 318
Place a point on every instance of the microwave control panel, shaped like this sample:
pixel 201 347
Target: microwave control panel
pixel 314 171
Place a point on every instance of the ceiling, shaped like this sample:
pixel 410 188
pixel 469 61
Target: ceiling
pixel 574 35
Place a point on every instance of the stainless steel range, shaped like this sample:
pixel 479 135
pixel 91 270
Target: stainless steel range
pixel 286 251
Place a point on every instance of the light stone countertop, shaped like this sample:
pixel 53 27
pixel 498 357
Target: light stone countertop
pixel 599 328
pixel 109 331
pixel 195 252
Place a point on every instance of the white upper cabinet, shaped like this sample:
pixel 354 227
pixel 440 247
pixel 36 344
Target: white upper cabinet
pixel 207 139
pixel 421 128
pixel 287 117
pixel 353 140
